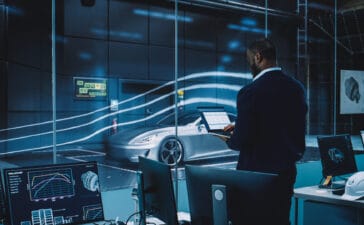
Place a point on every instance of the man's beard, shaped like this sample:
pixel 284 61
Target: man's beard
pixel 254 69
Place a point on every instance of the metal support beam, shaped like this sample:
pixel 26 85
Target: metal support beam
pixel 54 83
pixel 302 52
pixel 335 69
pixel 176 93
pixel 236 5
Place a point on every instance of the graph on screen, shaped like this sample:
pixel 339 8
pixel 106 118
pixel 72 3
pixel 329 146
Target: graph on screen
pixel 50 184
pixel 53 194
pixel 92 212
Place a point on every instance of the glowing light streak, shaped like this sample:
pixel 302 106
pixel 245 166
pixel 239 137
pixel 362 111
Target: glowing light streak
pixel 161 15
pixel 246 76
pixel 247 29
pixel 209 86
pixel 249 22
pixel 210 100
pixel 234 44
pixel 85 138
pixel 186 102
pixel 189 88
pixel 135 36
pixel 27 136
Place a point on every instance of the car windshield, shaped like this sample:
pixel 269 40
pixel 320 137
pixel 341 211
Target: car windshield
pixel 183 119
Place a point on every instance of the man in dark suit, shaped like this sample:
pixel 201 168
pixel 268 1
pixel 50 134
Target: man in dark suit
pixel 270 128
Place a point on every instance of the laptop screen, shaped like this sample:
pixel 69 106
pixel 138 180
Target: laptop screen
pixel 215 120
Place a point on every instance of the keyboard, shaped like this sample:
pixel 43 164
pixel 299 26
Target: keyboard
pixel 226 134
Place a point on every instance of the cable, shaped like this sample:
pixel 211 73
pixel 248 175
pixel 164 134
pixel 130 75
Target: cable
pixel 127 220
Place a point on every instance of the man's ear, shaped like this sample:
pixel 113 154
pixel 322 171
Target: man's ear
pixel 258 57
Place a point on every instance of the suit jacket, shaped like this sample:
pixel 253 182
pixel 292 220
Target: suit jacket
pixel 270 127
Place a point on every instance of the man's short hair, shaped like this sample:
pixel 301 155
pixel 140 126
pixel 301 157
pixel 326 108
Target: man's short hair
pixel 265 47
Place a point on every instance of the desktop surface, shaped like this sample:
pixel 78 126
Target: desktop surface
pixel 315 193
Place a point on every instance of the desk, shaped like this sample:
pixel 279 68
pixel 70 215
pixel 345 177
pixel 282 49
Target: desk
pixel 338 210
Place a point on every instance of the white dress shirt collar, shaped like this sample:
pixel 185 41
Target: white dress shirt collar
pixel 266 71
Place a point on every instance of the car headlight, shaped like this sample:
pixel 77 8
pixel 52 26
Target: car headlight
pixel 145 140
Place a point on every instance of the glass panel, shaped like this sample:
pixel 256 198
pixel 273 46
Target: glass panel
pixel 115 76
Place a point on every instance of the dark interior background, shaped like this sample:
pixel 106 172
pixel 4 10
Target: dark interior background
pixel 131 44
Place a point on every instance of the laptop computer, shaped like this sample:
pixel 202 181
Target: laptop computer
pixel 215 121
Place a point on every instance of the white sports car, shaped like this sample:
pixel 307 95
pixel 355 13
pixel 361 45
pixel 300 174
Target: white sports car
pixel 160 143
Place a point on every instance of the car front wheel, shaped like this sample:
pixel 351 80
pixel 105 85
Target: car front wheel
pixel 171 151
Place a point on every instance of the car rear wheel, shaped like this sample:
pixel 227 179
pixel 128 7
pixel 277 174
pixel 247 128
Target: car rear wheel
pixel 171 151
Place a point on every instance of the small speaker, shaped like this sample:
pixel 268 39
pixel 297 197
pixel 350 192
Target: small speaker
pixel 219 206
pixel 88 3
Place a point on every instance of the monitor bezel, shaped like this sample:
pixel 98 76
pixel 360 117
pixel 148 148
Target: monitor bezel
pixel 152 167
pixel 349 154
pixel 199 177
pixel 9 217
pixel 207 124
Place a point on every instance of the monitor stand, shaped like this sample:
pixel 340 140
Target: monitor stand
pixel 141 200
pixel 219 206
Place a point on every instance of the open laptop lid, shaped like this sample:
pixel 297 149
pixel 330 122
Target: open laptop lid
pixel 215 120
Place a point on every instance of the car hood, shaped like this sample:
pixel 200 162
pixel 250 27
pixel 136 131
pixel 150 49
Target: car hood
pixel 125 135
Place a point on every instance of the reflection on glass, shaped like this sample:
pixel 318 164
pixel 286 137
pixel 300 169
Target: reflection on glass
pixel 247 29
pixel 100 115
pixel 161 15
pixel 249 22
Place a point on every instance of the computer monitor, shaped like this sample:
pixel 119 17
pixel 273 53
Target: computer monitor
pixel 158 192
pixel 2 201
pixel 53 194
pixel 251 196
pixel 337 155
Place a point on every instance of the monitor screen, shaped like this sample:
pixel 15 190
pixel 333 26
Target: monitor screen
pixel 53 194
pixel 251 196
pixel 215 120
pixel 158 191
pixel 337 155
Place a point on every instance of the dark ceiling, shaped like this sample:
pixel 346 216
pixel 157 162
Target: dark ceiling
pixel 350 22
pixel 320 14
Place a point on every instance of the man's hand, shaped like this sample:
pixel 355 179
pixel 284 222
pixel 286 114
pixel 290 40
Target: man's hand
pixel 222 137
pixel 229 128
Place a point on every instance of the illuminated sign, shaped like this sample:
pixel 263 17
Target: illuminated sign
pixel 90 88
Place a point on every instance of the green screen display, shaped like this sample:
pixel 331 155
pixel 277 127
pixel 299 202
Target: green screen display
pixel 90 88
